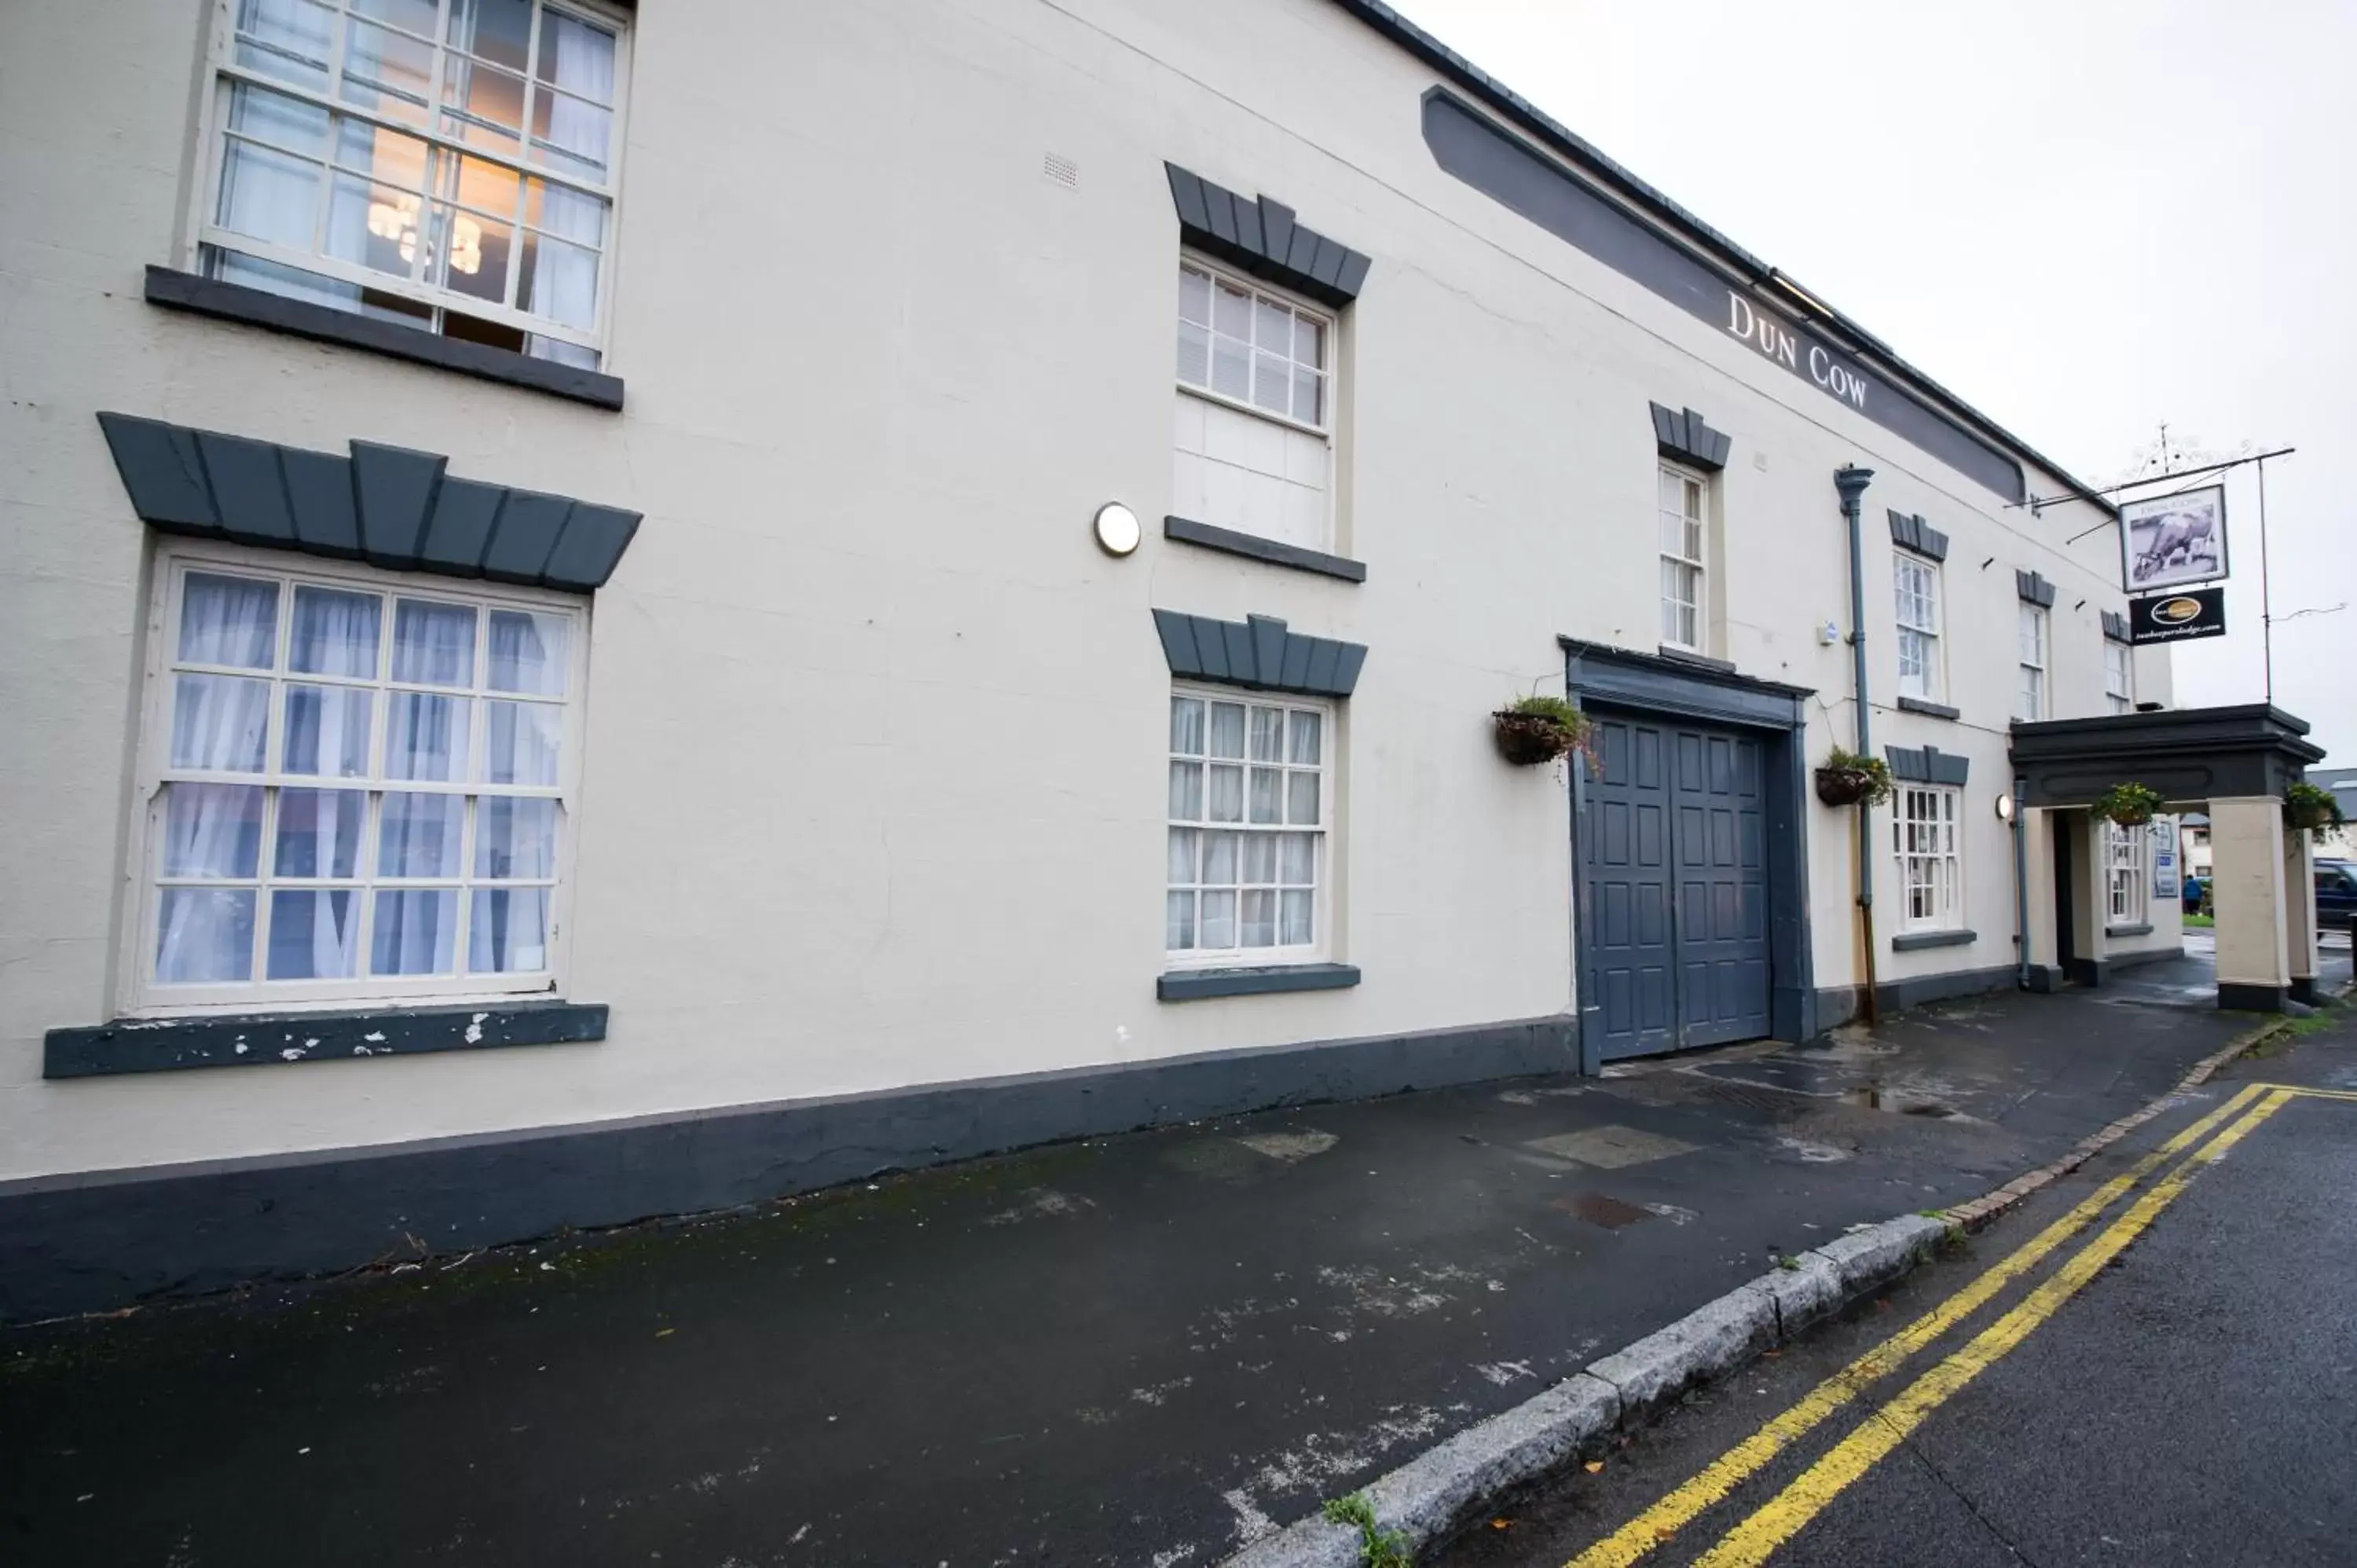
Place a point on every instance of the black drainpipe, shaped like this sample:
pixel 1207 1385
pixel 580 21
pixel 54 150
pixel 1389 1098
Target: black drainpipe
pixel 1851 481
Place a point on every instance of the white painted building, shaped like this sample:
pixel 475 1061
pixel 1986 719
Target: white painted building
pixel 733 711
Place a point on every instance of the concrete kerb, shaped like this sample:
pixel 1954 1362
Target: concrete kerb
pixel 1429 1496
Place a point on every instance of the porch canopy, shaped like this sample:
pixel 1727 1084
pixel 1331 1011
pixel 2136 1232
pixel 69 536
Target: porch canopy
pixel 2234 763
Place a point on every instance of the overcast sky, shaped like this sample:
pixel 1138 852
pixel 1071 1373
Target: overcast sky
pixel 2082 218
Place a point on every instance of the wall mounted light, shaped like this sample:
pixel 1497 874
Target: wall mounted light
pixel 2005 808
pixel 1118 530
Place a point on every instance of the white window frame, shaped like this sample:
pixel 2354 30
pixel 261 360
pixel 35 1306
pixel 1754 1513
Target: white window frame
pixel 2119 677
pixel 1330 327
pixel 1322 890
pixel 212 136
pixel 2031 645
pixel 1933 679
pixel 141 995
pixel 1695 485
pixel 2127 884
pixel 1927 842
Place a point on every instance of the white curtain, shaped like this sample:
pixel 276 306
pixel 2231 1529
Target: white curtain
pixel 416 931
pixel 211 831
pixel 564 284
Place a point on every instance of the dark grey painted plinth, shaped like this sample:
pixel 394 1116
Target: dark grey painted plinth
pixel 2304 989
pixel 1837 1004
pixel 2045 979
pixel 96 1241
pixel 2243 998
pixel 2088 970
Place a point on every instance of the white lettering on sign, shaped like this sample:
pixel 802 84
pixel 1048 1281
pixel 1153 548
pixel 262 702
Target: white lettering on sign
pixel 1774 341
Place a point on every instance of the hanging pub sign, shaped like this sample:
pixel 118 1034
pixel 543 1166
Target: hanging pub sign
pixel 2173 542
pixel 2178 618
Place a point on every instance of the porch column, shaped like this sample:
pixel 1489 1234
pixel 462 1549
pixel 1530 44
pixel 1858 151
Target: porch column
pixel 2248 862
pixel 2299 912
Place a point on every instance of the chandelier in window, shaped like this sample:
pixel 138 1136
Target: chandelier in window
pixel 397 221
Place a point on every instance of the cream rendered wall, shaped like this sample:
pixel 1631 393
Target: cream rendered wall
pixel 874 775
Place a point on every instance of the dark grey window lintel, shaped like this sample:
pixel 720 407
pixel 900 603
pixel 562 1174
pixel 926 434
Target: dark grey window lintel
pixel 1192 985
pixel 325 324
pixel 1263 238
pixel 1913 533
pixel 274 1039
pixel 1276 552
pixel 1258 654
pixel 2034 589
pixel 1688 438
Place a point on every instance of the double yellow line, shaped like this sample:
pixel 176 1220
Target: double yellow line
pixel 1782 1517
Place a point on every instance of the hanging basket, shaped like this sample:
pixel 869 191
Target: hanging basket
pixel 1843 786
pixel 2310 815
pixel 2127 805
pixel 1527 740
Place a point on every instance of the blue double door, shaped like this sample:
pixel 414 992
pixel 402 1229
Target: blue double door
pixel 1672 893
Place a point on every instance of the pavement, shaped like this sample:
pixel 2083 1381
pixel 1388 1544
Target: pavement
pixel 1152 1348
pixel 2189 1403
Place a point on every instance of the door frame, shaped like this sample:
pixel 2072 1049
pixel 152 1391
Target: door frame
pixel 1666 690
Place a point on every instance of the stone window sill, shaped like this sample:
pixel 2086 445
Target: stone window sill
pixel 259 307
pixel 1276 552
pixel 274 1039
pixel 1930 710
pixel 1189 984
pixel 1915 942
pixel 2142 928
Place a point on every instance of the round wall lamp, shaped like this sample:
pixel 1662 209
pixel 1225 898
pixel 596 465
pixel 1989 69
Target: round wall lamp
pixel 1118 530
pixel 2005 808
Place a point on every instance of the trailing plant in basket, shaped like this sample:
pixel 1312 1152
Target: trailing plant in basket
pixel 1535 729
pixel 1851 778
pixel 2307 805
pixel 2129 805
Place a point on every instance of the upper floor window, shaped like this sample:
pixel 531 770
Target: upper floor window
pixel 2119 677
pixel 1931 870
pixel 1680 492
pixel 355 787
pixel 1248 814
pixel 2029 692
pixel 1252 448
pixel 445 164
pixel 1916 581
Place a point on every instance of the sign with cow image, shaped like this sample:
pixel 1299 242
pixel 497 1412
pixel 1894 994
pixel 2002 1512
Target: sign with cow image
pixel 2173 542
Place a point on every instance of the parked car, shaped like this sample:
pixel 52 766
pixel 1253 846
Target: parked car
pixel 2336 894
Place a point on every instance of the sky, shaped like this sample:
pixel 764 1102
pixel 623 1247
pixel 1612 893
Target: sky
pixel 2084 218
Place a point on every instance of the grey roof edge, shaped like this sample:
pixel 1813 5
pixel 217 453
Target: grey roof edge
pixel 554 542
pixel 1502 99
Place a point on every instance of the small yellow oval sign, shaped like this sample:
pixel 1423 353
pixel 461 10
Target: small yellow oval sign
pixel 2177 611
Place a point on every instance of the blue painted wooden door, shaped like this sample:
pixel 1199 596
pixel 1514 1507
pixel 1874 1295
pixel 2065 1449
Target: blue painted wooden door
pixel 1673 888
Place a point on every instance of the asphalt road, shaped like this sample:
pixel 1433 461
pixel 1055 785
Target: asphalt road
pixel 2194 1401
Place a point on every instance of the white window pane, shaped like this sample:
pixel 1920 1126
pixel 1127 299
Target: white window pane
pixel 1301 799
pixel 333 633
pixel 327 731
pixel 319 832
pixel 1221 854
pixel 1185 843
pixel 469 252
pixel 1268 735
pixel 1300 860
pixel 1231 309
pixel 412 15
pixel 1179 921
pixel 417 931
pixel 507 932
pixel 482 106
pixel 1271 383
pixel 315 934
pixel 426 737
pixel 1227 729
pixel 1219 920
pixel 1308 735
pixel 1227 802
pixel 1194 296
pixel 211 830
pixel 1272 327
pixel 288 39
pixel 434 644
pixel 515 838
pixel 386 72
pixel 1295 927
pixel 1259 922
pixel 229 621
pixel 205 935
pixel 1186 791
pixel 1309 341
pixel 1309 397
pixel 522 742
pixel 419 834
pixel 371 224
pixel 1187 726
pixel 1260 859
pixel 558 281
pixel 219 723
pixel 1194 355
pixel 1231 368
pixel 288 124
pixel 267 194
